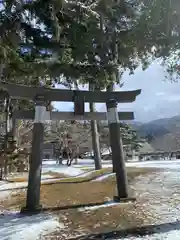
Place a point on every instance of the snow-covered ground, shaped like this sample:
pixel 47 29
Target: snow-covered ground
pixel 7 188
pixel 77 171
pixel 53 167
pixel 16 226
pixel 171 164
pixel 89 163
pixel 105 205
pixel 103 177
pixel 159 194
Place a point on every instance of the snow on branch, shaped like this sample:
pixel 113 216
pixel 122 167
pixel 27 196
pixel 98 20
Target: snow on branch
pixel 88 9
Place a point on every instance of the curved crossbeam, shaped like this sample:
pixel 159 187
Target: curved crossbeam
pixel 29 93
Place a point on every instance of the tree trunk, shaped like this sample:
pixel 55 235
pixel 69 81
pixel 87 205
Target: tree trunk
pixel 95 137
pixel 5 168
pixel 110 88
pixel 7 129
pixel 1 173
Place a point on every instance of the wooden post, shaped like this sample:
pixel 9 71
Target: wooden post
pixel 117 150
pixel 13 128
pixel 34 182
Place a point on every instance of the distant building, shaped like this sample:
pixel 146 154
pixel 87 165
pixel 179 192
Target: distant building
pixel 146 148
pixel 48 151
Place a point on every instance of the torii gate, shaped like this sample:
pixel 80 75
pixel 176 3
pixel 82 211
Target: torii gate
pixel 40 95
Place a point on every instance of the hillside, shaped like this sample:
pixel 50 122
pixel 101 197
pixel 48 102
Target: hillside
pixel 163 134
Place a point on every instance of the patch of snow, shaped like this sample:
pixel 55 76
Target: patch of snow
pixel 53 167
pixel 108 204
pixel 4 195
pixel 89 163
pixel 2 183
pixel 173 164
pixel 16 226
pixel 86 174
pixel 25 176
pixel 6 188
pixel 88 154
pixel 85 162
pixel 107 165
pixel 9 186
pixel 101 178
pixel 46 176
pixel 105 151
pixel 49 162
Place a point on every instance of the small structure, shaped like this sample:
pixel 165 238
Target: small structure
pixel 145 151
pixel 48 151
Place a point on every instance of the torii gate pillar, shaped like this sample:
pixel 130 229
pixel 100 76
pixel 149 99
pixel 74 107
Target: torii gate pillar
pixel 34 181
pixel 117 150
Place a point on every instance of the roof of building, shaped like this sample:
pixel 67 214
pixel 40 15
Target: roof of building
pixel 146 148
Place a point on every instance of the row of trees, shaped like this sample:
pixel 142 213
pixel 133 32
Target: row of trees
pixel 74 138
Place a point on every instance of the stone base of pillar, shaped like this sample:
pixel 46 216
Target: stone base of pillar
pixel 34 210
pixel 124 200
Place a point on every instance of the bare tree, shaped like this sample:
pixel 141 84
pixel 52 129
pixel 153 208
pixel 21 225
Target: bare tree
pixel 72 138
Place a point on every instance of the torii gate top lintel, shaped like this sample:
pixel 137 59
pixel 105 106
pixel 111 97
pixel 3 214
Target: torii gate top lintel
pixel 64 95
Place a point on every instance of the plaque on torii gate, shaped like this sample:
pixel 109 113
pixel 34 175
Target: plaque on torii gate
pixel 41 95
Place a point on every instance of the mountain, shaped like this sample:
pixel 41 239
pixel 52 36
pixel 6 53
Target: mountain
pixel 163 134
pixel 149 129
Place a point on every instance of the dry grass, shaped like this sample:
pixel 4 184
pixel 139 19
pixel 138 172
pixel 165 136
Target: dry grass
pixel 18 179
pixel 107 219
pixel 60 193
pixel 55 174
pixel 92 174
pixel 25 178
pixel 90 221
pixel 65 178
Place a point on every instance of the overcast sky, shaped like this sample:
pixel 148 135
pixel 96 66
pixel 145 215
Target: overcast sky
pixel 159 98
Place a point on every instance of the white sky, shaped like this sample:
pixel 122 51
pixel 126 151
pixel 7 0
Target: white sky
pixel 160 98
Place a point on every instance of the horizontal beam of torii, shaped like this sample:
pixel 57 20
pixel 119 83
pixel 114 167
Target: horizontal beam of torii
pixel 30 114
pixel 64 95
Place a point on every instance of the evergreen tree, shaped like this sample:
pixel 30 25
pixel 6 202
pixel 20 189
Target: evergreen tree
pixel 57 40
pixel 129 136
